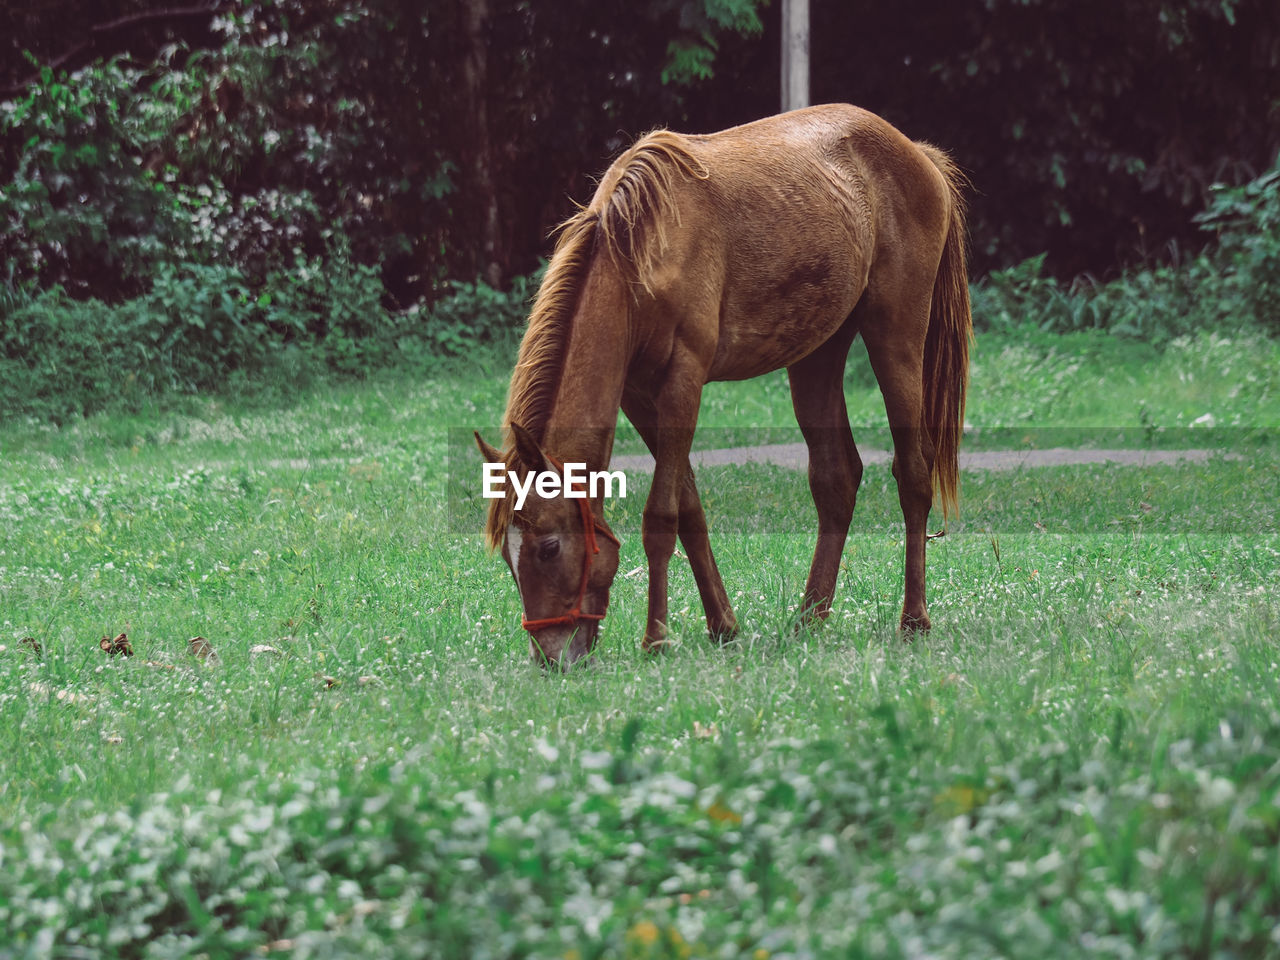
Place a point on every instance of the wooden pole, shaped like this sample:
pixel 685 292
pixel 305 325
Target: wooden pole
pixel 795 54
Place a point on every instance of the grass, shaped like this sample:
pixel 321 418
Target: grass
pixel 1038 389
pixel 1079 760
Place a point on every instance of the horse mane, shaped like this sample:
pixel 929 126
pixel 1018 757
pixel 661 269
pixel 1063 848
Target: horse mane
pixel 638 206
pixel 627 219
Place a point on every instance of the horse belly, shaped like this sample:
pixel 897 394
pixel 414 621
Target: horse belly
pixel 764 330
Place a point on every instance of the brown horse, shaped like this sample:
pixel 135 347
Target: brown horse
pixel 723 257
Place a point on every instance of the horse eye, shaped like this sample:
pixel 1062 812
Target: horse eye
pixel 549 549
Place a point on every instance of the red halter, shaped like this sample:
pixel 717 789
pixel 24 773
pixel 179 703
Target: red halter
pixel 589 549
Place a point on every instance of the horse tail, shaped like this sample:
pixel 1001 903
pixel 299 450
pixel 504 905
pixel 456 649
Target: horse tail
pixel 946 347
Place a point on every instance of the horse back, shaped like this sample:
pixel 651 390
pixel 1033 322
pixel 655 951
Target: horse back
pixel 771 232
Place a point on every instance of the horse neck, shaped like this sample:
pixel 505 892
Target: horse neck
pixel 585 412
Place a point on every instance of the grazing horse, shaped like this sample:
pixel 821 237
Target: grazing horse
pixel 723 257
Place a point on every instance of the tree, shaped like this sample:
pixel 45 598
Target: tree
pixel 443 140
pixel 438 158
pixel 1092 128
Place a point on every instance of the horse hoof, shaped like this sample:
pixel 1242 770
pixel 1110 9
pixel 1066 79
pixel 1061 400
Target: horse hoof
pixel 655 647
pixel 723 635
pixel 910 626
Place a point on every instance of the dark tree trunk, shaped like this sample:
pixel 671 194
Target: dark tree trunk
pixel 484 201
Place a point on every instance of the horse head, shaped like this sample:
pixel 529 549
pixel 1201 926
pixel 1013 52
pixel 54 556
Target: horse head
pixel 562 556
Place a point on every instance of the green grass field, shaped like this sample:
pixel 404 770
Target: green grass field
pixel 1082 759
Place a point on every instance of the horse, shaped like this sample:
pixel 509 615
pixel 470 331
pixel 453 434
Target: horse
pixel 723 257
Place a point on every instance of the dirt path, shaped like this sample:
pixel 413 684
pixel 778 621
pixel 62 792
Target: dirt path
pixel 796 457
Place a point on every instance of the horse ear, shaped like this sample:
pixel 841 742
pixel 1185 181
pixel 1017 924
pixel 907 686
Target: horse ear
pixel 530 453
pixel 489 453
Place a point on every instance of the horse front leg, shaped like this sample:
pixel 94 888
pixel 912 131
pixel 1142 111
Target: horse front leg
pixel 722 624
pixel 677 415
pixel 691 524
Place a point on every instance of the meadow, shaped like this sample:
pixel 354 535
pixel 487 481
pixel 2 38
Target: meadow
pixel 1081 759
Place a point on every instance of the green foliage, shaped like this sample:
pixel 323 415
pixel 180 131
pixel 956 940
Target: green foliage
pixel 1234 285
pixel 1155 304
pixel 80 209
pixel 293 119
pixel 60 356
pixel 474 313
pixel 115 177
pixel 1091 129
pixel 199 324
pixel 196 327
pixel 1246 222
pixel 726 850
pixel 688 61
pixel 205 328
pixel 691 55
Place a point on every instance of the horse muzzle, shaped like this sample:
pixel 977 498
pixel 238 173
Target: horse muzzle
pixel 563 645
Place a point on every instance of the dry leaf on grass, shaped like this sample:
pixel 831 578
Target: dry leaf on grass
pixel 120 645
pixel 202 649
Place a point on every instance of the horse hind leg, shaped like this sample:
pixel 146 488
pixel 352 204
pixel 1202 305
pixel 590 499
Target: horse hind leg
pixel 835 469
pixel 895 346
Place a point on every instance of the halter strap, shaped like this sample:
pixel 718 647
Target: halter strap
pixel 590 548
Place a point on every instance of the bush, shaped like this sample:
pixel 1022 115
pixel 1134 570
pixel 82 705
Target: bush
pixel 200 326
pixel 1232 285
pixel 331 305
pixel 1246 221
pixel 112 172
pixel 194 329
pixel 1156 304
pixel 196 324
pixel 61 357
pixel 81 210
pixel 471 315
